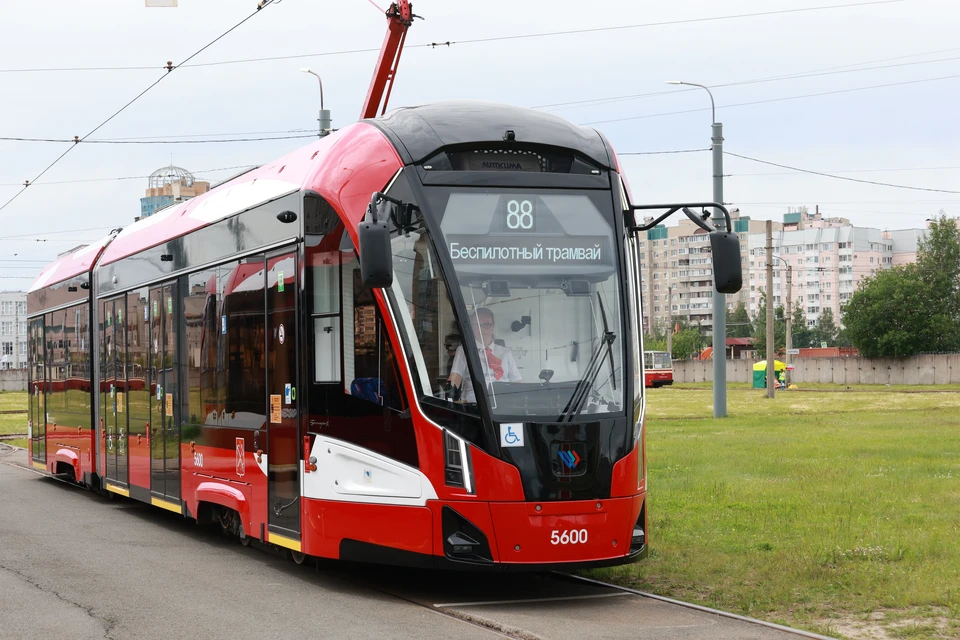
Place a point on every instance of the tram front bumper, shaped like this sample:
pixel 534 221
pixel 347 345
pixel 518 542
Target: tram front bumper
pixel 549 534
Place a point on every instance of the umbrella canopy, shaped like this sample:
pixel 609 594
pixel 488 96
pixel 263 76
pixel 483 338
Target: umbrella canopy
pixel 762 366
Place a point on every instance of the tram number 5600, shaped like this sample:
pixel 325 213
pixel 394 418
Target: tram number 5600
pixel 573 536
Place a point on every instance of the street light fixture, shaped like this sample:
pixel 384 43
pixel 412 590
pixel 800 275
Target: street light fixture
pixel 713 109
pixel 719 299
pixel 324 118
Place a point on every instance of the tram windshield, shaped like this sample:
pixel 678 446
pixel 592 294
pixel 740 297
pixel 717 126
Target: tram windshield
pixel 538 274
pixel 657 360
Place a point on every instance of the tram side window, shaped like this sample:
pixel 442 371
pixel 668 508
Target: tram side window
pixel 427 315
pixel 243 360
pixel 323 264
pixel 56 367
pixel 78 365
pixel 370 364
pixel 138 358
pixel 37 373
pixel 201 323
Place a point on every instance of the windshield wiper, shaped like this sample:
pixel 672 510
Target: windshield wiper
pixel 582 390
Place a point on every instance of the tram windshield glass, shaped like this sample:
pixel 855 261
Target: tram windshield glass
pixel 538 274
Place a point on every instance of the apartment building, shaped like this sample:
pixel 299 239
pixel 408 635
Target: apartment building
pixel 13 329
pixel 828 255
pixel 677 276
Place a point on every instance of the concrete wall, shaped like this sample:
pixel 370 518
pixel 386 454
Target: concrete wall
pixel 13 379
pixel 931 369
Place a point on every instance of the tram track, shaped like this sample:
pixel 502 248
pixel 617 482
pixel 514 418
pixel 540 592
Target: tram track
pixel 697 607
pixel 512 608
pixel 504 631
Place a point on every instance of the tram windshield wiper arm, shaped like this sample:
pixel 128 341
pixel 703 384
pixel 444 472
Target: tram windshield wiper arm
pixel 582 391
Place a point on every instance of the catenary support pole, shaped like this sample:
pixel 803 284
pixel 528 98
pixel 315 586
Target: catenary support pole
pixel 771 344
pixel 789 318
pixel 719 299
pixel 670 320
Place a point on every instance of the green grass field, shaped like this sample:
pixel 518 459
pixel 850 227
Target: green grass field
pixel 834 512
pixel 13 422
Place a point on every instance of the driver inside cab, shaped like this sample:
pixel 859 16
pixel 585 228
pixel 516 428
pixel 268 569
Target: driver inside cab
pixel 498 362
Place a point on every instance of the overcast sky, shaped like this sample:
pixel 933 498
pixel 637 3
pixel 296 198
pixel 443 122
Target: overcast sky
pixel 906 133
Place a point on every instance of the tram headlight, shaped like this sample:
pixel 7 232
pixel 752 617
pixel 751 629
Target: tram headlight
pixel 457 470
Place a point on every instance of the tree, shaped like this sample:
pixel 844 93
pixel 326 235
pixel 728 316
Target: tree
pixel 657 340
pixel 686 343
pixel 760 328
pixel 914 308
pixel 826 330
pixel 738 324
pixel 843 339
pixel 938 258
pixel 802 336
pixel 886 314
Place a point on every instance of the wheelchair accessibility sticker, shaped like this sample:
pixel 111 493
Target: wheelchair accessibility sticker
pixel 511 434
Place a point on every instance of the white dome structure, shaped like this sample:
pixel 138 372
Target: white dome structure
pixel 169 175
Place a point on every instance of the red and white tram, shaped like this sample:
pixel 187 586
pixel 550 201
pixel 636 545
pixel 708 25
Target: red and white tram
pixel 657 368
pixel 287 353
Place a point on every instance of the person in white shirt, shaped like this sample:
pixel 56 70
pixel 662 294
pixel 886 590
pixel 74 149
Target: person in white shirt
pixel 498 362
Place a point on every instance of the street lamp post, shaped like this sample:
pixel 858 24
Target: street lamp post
pixel 324 118
pixel 719 299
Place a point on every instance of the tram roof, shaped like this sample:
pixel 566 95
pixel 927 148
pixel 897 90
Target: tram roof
pixel 69 265
pixel 425 129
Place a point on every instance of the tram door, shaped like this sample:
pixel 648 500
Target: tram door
pixel 165 405
pixel 283 436
pixel 113 396
pixel 38 412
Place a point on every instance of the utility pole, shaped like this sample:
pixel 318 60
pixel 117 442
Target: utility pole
pixel 771 346
pixel 719 299
pixel 788 317
pixel 16 334
pixel 670 320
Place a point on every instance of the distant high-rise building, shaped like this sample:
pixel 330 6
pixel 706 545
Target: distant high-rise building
pixel 829 257
pixel 677 273
pixel 13 329
pixel 167 185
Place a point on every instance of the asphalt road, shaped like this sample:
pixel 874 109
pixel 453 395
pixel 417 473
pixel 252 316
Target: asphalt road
pixel 79 565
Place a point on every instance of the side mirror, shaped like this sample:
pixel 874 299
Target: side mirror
pixel 373 238
pixel 727 272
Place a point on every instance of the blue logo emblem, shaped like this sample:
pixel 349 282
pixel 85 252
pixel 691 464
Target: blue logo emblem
pixel 570 459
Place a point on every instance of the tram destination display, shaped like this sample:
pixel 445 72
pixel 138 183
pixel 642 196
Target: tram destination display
pixel 526 230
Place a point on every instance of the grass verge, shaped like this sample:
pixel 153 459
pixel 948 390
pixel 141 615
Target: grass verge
pixel 13 422
pixel 830 512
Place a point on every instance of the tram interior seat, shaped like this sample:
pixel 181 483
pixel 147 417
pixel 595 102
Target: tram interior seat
pixel 371 389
